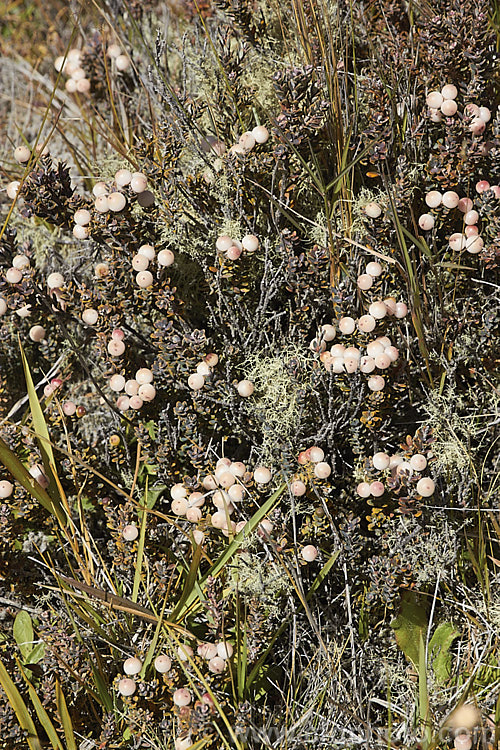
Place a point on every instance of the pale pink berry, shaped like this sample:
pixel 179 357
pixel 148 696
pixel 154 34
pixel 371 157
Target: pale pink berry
pixel 434 99
pixel 207 650
pixel 260 133
pixel 20 262
pixel 365 281
pixel 123 403
pixel 471 217
pixel 353 352
pixel 130 533
pixel 217 665
pixel 219 520
pixel 183 743
pixel 147 392
pixel 116 202
pixel 392 353
pixel 13 189
pixel 6 489
pixel 144 279
pixel 178 491
pixel 3 306
pixel 140 262
pixel 238 468
pixel 390 303
pixel 450 199
pixel 225 649
pixel 37 333
pixel 322 470
pixel 163 663
pixel 233 253
pixel 113 50
pixel 457 241
pixel 70 86
pixel 449 91
pixel 338 350
pixel 374 348
pixel 196 499
pixel 418 462
pixel 351 364
pixel 373 268
pixel 383 361
pixel 401 310
pixel 246 141
pixel 484 114
pixel 378 310
pixel 376 383
pixel 83 86
pixel 196 381
pixel 165 258
pixel 127 687
pixel 179 507
pixel 138 182
pixel 122 177
pixel 22 154
pixel 425 487
pixel 395 461
pixel 131 387
pixel 245 388
pixel 309 553
pixel 122 63
pixel 99 189
pixel 117 383
pixel 346 326
pixel 377 489
pixel 226 479
pixel 477 126
pixel 262 475
pixel 328 332
pixel 482 186
pixel 462 742
pixel 433 198
pixel 77 74
pixel 373 210
pixel 474 244
pixel 266 527
pixel 449 108
pixel 136 402
pixel 366 323
pixel 118 334
pixel 69 408
pixel 116 348
pixel 13 275
pixel 182 697
pixel 80 233
pixel 132 665
pixel 363 489
pixel 101 204
pixel 381 461
pixel 464 205
pixel 471 231
pixel 367 364
pixel 250 243
pixel 426 222
pixel 298 488
pixel 435 115
pixel 223 243
pixel 316 454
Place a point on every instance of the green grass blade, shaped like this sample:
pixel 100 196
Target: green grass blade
pixel 13 465
pixel 20 709
pixel 65 718
pixel 190 581
pixel 42 436
pixel 42 714
pixel 322 575
pixel 140 549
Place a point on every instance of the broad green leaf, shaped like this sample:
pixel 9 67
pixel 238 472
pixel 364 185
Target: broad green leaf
pixel 37 654
pixel 23 633
pixel 409 626
pixel 20 709
pixel 439 650
pixel 65 718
